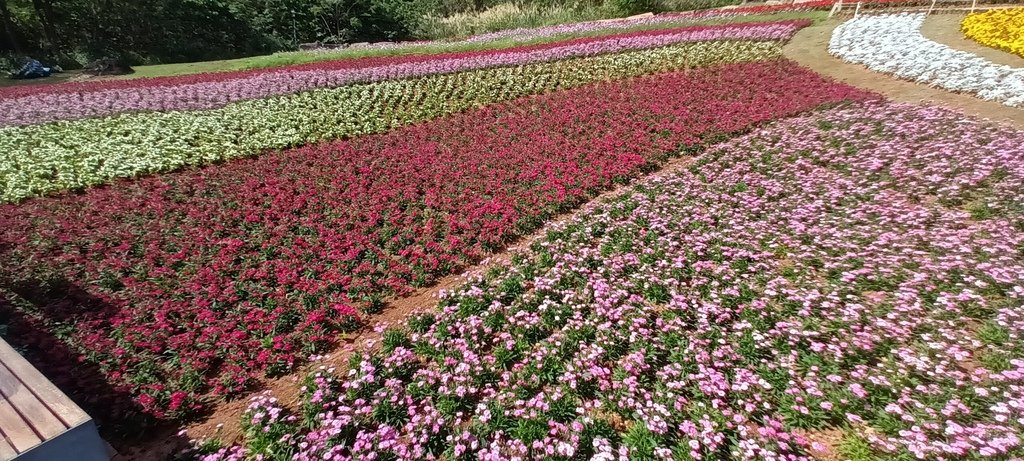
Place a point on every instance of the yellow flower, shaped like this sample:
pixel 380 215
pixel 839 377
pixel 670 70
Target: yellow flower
pixel 1002 29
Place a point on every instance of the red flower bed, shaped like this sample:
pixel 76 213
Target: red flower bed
pixel 357 63
pixel 201 280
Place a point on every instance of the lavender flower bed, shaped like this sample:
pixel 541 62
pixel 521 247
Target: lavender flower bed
pixel 857 269
pixel 524 33
pixel 46 107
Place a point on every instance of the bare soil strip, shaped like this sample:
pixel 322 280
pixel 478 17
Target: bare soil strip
pixel 809 48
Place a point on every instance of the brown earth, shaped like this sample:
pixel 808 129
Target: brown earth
pixel 808 47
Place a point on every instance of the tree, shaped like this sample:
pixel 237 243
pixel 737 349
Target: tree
pixel 44 11
pixel 10 39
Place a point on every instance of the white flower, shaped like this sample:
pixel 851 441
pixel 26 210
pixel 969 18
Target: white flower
pixel 892 43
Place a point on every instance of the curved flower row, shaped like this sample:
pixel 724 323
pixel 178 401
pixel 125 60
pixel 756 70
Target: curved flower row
pixel 1000 28
pixel 893 44
pixel 42 159
pixel 817 273
pixel 49 106
pixel 626 23
pixel 198 281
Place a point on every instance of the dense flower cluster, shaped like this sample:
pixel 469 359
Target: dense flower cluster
pixel 893 44
pixel 52 103
pixel 41 159
pixel 203 279
pixel 1001 28
pixel 857 269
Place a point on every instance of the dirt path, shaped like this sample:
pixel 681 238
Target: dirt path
pixel 945 29
pixel 809 47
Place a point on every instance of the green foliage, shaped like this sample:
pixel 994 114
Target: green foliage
pixel 629 7
pixel 394 338
pixel 73 32
pixel 147 31
pixel 641 442
pixel 420 323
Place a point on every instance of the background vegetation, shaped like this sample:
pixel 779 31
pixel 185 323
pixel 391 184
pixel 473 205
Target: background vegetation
pixel 74 32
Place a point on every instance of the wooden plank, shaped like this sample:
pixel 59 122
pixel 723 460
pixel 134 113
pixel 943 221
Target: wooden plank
pixel 36 412
pixel 6 450
pixel 62 406
pixel 81 443
pixel 16 429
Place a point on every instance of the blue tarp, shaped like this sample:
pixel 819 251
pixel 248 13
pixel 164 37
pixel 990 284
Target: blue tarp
pixel 32 69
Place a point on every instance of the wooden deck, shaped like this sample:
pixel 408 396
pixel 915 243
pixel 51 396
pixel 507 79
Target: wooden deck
pixel 37 421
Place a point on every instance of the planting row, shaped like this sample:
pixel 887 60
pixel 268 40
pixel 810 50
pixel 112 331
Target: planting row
pixel 629 23
pixel 201 280
pixel 51 103
pixel 594 26
pixel 1000 28
pixel 857 269
pixel 42 159
pixel 893 44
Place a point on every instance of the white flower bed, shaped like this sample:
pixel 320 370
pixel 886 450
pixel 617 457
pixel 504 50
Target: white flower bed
pixel 893 44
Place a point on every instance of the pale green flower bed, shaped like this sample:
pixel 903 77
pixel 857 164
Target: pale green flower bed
pixel 70 155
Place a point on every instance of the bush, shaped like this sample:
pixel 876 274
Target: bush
pixel 631 7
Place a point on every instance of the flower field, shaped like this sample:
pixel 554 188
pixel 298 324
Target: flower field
pixel 857 268
pixel 204 91
pixel 893 44
pixel 41 159
pixel 824 275
pixel 1000 28
pixel 204 279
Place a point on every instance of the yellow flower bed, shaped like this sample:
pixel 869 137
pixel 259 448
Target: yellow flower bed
pixel 1002 29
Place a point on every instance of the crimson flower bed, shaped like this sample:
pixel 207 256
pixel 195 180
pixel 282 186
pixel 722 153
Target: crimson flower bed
pixel 197 282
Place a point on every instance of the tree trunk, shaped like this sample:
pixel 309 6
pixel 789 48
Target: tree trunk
pixel 44 9
pixel 9 40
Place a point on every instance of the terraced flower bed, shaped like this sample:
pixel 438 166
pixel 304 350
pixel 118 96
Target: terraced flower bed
pixel 199 281
pixel 999 28
pixel 857 270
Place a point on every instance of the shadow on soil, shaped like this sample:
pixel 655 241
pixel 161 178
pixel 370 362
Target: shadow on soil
pixel 120 419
